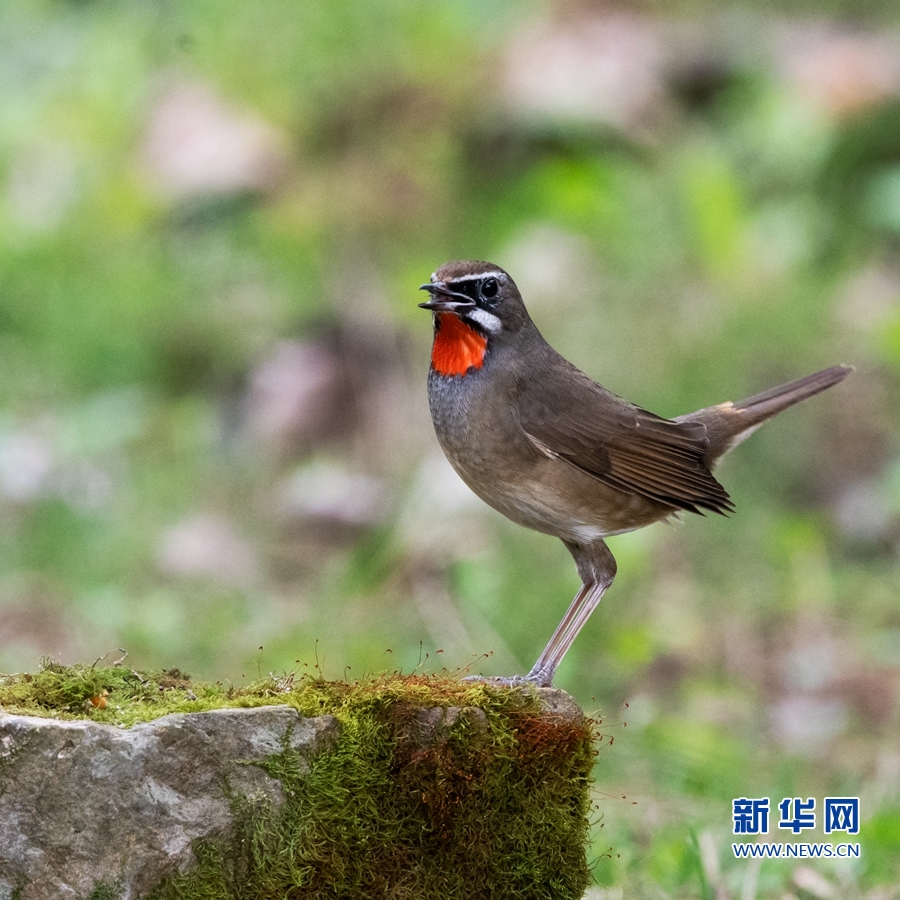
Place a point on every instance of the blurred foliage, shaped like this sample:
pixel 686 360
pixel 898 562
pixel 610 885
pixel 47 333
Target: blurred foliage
pixel 211 209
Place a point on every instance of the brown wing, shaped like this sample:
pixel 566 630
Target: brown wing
pixel 625 446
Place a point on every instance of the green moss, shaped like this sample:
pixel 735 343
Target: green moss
pixel 489 799
pixel 119 695
pixel 105 892
pixel 495 807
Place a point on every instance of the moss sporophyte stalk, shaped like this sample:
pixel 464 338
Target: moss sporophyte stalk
pixel 432 787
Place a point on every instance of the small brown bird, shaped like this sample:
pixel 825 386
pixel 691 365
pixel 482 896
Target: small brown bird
pixel 551 449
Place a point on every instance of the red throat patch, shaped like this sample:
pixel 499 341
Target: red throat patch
pixel 457 346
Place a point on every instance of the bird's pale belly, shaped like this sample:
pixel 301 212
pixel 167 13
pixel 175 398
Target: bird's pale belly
pixel 555 498
pixel 485 444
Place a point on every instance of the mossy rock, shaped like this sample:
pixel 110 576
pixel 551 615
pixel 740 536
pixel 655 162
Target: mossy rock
pixel 398 786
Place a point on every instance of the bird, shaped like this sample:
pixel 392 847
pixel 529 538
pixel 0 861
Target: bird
pixel 545 445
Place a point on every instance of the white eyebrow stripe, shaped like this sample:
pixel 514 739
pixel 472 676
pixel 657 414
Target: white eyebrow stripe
pixel 488 321
pixel 475 276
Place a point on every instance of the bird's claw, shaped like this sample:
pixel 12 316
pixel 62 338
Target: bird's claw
pixel 511 681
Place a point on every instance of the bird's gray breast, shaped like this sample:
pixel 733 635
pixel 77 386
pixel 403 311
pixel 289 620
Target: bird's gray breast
pixel 464 417
pixel 477 424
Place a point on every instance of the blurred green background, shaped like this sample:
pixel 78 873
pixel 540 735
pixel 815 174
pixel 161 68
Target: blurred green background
pixel 215 449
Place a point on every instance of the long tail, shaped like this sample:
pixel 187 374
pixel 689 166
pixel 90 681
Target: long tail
pixel 730 423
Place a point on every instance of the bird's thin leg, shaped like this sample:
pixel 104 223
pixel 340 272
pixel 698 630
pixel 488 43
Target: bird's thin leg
pixel 577 614
pixel 597 568
pixel 573 621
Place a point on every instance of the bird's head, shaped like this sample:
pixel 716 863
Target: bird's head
pixel 480 294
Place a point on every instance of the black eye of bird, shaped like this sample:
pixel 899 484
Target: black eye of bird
pixel 490 288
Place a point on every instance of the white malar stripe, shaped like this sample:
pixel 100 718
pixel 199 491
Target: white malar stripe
pixel 488 321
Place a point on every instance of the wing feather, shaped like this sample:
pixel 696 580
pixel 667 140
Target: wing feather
pixel 627 447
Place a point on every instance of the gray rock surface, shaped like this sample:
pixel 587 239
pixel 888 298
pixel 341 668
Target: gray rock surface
pixel 559 703
pixel 79 798
pixel 83 803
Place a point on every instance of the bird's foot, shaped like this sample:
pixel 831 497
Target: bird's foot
pixel 530 679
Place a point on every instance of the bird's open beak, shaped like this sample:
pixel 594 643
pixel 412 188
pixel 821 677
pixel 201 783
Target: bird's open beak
pixel 443 299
